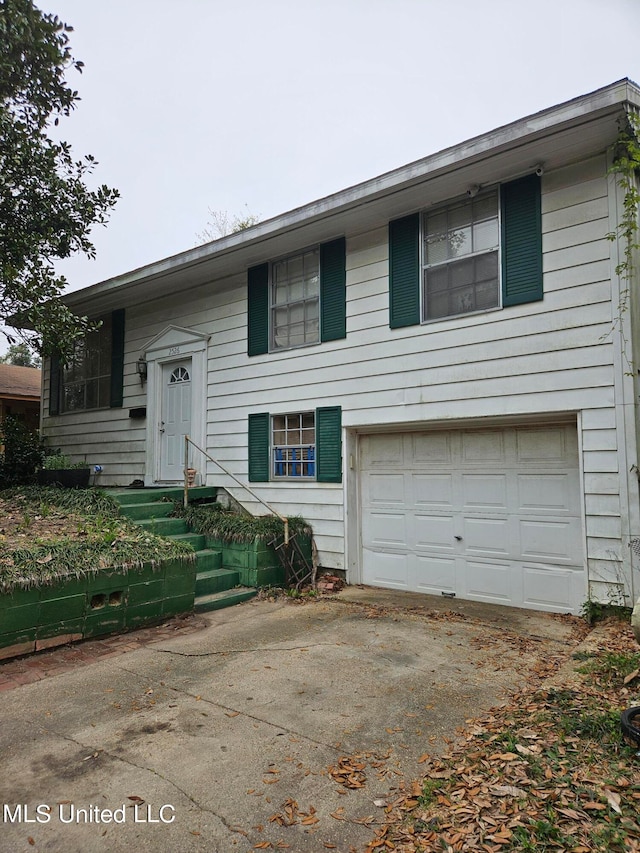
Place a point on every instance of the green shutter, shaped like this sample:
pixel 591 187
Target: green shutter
pixel 117 358
pixel 259 448
pixel 333 290
pixel 54 384
pixel 329 444
pixel 404 271
pixel 258 310
pixel 521 241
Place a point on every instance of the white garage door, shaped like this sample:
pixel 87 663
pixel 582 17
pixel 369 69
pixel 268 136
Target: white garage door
pixel 491 515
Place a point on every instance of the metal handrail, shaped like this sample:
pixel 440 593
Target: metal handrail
pixel 187 442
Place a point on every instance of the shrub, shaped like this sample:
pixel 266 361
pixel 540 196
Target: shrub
pixel 23 453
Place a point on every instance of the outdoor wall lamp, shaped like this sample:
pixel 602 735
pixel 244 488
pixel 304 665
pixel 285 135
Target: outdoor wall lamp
pixel 141 369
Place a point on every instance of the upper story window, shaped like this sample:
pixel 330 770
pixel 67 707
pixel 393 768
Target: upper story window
pixel 86 380
pixel 470 256
pixel 461 258
pixel 295 300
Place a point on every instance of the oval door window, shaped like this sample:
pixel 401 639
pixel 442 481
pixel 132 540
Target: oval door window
pixel 180 374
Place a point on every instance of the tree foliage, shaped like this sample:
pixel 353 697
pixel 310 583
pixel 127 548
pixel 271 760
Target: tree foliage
pixel 21 356
pixel 221 223
pixel 46 209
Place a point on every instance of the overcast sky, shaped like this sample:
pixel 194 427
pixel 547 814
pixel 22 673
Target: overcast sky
pixel 266 106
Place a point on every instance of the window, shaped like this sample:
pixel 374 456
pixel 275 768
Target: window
pixel 298 300
pixel 86 380
pixel 295 300
pixel 476 255
pixel 460 258
pixel 93 379
pixel 293 445
pixel 180 374
pixel 297 446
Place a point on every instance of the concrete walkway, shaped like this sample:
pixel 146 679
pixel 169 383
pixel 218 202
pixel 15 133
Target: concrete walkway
pixel 247 728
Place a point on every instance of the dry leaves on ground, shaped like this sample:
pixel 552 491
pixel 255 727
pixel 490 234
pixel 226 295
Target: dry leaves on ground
pixel 548 772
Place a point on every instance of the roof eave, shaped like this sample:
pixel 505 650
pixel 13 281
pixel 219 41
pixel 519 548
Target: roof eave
pixel 246 244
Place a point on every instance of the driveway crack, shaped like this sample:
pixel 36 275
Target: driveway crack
pixel 221 818
pixel 236 711
pixel 243 651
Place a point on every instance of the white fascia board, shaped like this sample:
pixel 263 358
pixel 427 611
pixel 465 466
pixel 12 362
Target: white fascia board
pixel 609 99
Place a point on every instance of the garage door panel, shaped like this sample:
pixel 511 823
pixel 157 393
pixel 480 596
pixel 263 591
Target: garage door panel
pixel 433 490
pixel 388 570
pixel 540 446
pixel 386 530
pixel 550 541
pixel 484 491
pixel 549 493
pixel 431 448
pixel 483 447
pixel 380 450
pixel 487 536
pixel 433 575
pixel 549 589
pixel 435 532
pixel 489 581
pixel 384 490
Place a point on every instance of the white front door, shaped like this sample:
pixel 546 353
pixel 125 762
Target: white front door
pixel 175 421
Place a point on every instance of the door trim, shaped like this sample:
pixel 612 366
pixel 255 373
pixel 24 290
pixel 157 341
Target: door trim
pixel 174 344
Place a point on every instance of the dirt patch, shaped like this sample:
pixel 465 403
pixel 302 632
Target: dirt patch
pixel 21 526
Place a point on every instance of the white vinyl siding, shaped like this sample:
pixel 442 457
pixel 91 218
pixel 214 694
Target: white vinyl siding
pixel 552 357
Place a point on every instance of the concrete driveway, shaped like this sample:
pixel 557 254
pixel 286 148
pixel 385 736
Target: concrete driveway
pixel 225 739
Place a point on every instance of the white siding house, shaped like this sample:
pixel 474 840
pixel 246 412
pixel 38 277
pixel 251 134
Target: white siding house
pixel 431 367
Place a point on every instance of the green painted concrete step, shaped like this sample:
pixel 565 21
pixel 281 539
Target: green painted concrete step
pixel 196 540
pixel 133 496
pixel 218 600
pixel 216 580
pixel 163 526
pixel 146 511
pixel 208 559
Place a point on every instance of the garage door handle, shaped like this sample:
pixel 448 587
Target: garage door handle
pixel 459 538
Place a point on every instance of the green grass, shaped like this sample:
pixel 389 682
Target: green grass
pixel 105 539
pixel 230 526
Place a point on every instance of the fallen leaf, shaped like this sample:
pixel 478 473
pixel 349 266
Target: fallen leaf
pixel 631 676
pixel 613 799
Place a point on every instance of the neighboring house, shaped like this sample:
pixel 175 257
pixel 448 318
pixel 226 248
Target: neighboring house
pixel 20 394
pixel 431 367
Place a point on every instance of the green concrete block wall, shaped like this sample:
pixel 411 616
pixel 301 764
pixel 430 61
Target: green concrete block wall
pixel 19 598
pixel 59 609
pixel 105 621
pixel 20 618
pixel 57 629
pixel 12 638
pixel 95 605
pixel 139 593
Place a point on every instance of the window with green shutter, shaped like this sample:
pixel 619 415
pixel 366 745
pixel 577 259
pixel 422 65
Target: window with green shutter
pixel 298 300
pixel 296 446
pixel 472 255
